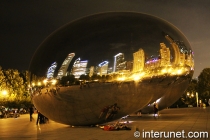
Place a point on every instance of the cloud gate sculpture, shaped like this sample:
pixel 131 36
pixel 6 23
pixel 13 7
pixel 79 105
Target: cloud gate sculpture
pixel 117 63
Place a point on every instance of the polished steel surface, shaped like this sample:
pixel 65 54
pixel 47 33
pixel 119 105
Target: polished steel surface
pixel 150 58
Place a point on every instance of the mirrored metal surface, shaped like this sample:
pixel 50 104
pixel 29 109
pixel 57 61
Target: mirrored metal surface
pixel 119 62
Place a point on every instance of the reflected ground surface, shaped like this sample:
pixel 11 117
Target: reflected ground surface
pixel 148 58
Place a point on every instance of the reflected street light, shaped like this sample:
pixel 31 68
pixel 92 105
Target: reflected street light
pixel 39 83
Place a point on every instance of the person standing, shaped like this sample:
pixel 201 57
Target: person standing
pixel 31 111
pixel 155 110
pixel 39 117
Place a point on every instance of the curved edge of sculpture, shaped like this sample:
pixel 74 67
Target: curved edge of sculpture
pixel 129 87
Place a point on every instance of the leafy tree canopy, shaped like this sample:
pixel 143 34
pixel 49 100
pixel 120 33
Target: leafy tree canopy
pixel 204 83
pixel 13 86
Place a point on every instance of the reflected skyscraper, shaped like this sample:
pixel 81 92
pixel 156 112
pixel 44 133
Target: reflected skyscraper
pixel 103 68
pixel 164 55
pixel 182 59
pixel 175 47
pixel 138 60
pixel 65 65
pixel 129 65
pixel 79 68
pixel 189 61
pixel 91 72
pixel 118 59
pixel 122 66
pixel 51 70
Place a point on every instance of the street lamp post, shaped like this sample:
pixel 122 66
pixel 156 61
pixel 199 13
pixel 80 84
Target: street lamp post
pixel 197 98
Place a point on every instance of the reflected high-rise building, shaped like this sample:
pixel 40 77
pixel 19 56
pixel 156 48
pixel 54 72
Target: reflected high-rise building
pixel 110 70
pixel 79 67
pixel 164 55
pixel 121 66
pixel 175 47
pixel 189 61
pixel 182 59
pixel 138 60
pixel 65 65
pixel 103 68
pixel 91 72
pixel 118 59
pixel 129 65
pixel 51 70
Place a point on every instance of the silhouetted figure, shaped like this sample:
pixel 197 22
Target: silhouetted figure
pixel 31 111
pixel 109 112
pixel 103 111
pixel 40 118
pixel 81 85
pixel 112 111
pixel 155 110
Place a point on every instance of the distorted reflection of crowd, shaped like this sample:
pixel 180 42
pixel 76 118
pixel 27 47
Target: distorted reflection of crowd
pixel 35 91
pixel 109 111
pixel 84 84
pixel 38 90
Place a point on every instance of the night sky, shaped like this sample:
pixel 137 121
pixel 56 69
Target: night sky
pixel 25 24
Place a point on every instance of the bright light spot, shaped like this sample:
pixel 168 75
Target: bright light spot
pixel 179 71
pixel 158 100
pixel 45 81
pixel 169 70
pixel 54 81
pixel 121 78
pixel 4 92
pixel 136 78
pixel 39 83
pixel 164 71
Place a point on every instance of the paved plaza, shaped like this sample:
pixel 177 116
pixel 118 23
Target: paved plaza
pixel 179 120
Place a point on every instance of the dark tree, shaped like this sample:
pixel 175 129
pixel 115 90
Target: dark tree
pixel 204 84
pixel 67 80
pixel 84 77
pixel 108 77
pixel 103 78
pixel 96 77
pixel 189 97
pixel 193 86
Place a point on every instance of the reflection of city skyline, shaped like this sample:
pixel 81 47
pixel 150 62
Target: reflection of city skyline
pixel 176 56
